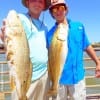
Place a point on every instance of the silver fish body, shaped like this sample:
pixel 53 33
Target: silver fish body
pixel 17 51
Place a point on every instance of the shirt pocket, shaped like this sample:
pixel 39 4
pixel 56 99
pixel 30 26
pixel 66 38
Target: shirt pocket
pixel 78 40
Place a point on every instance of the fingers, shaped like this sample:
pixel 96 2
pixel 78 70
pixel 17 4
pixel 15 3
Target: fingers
pixel 2 34
pixel 3 26
pixel 97 73
pixel 4 22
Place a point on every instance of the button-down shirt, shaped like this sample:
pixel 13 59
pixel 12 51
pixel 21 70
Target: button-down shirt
pixel 73 70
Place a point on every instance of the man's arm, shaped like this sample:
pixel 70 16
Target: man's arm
pixel 94 57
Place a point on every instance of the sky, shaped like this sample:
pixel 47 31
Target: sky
pixel 85 11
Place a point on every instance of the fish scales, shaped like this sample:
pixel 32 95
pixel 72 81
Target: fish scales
pixel 57 56
pixel 17 52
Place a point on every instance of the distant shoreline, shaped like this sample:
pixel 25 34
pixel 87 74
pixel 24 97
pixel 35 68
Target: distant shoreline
pixel 96 45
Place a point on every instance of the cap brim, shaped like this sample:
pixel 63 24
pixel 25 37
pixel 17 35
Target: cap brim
pixel 48 2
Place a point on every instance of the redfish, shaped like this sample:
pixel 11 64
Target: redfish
pixel 17 52
pixel 56 57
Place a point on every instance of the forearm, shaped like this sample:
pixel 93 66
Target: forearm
pixel 90 51
pixel 92 54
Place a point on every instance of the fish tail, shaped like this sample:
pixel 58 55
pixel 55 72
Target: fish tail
pixel 23 98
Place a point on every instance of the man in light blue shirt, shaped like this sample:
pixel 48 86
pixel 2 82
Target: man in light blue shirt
pixel 36 35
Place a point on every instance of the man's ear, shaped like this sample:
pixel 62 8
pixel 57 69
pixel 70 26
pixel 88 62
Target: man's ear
pixel 66 11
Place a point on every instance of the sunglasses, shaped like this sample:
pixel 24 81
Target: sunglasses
pixel 58 8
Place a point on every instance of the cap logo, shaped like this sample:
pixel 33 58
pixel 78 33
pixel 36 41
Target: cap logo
pixel 54 1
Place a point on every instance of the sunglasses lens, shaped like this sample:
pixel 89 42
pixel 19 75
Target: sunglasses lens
pixel 61 8
pixel 54 10
pixel 58 8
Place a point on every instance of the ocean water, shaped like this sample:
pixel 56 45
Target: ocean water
pixel 94 81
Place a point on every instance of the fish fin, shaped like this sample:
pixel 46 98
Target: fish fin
pixel 11 76
pixel 12 83
pixel 30 76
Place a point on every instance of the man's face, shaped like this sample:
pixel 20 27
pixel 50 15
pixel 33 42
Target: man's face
pixel 58 12
pixel 36 6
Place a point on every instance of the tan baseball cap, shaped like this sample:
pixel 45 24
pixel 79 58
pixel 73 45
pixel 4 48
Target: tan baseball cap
pixel 48 2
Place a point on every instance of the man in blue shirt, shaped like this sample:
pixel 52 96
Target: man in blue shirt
pixel 72 78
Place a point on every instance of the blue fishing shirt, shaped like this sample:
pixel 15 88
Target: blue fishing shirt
pixel 36 35
pixel 73 70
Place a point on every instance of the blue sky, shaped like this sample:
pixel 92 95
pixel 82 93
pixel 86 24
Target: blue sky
pixel 85 11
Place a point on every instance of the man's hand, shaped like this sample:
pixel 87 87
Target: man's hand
pixel 97 71
pixel 2 34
